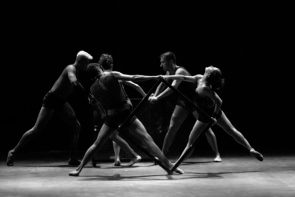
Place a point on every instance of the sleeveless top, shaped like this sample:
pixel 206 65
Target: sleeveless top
pixel 187 88
pixel 110 92
pixel 205 103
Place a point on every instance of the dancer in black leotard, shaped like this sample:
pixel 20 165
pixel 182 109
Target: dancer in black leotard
pixel 56 101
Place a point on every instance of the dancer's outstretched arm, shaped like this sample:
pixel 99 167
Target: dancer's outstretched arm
pixel 191 79
pixel 127 77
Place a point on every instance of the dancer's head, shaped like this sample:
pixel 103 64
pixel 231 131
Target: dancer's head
pixel 213 77
pixel 93 71
pixel 106 61
pixel 167 60
pixel 82 59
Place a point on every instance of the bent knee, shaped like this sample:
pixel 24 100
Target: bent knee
pixel 34 130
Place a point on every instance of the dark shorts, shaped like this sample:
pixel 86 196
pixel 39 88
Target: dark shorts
pixel 204 118
pixel 116 119
pixel 53 101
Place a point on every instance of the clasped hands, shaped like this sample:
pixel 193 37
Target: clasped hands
pixel 153 98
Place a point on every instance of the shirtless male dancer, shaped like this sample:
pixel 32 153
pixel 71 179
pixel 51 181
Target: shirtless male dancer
pixel 55 102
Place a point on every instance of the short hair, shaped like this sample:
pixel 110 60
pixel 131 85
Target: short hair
pixel 214 77
pixel 106 61
pixel 93 71
pixel 167 56
pixel 82 56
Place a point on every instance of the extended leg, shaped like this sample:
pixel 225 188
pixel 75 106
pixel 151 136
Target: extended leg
pixel 68 116
pixel 117 149
pixel 44 116
pixel 147 143
pixel 103 135
pixel 178 116
pixel 224 122
pixel 211 138
pixel 123 144
pixel 198 128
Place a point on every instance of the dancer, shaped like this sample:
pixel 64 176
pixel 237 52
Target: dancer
pixel 110 93
pixel 209 104
pixel 55 102
pixel 182 108
pixel 106 63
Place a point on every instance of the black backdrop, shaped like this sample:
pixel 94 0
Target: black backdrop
pixel 252 44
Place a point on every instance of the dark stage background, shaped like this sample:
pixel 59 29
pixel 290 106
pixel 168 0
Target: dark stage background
pixel 252 44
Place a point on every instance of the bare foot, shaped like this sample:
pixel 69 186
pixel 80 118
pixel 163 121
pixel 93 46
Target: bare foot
pixel 256 154
pixel 117 163
pixel 217 159
pixel 178 171
pixel 135 160
pixel 10 158
pixel 74 173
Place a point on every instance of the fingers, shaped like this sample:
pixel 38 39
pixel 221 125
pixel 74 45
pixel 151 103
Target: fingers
pixel 152 99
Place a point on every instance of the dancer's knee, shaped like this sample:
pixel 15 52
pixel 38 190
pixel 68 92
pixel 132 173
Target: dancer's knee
pixel 237 135
pixel 94 146
pixel 173 127
pixel 34 130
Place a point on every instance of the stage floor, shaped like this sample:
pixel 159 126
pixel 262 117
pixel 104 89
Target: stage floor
pixel 234 176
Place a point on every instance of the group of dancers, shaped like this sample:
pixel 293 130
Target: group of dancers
pixel 196 94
